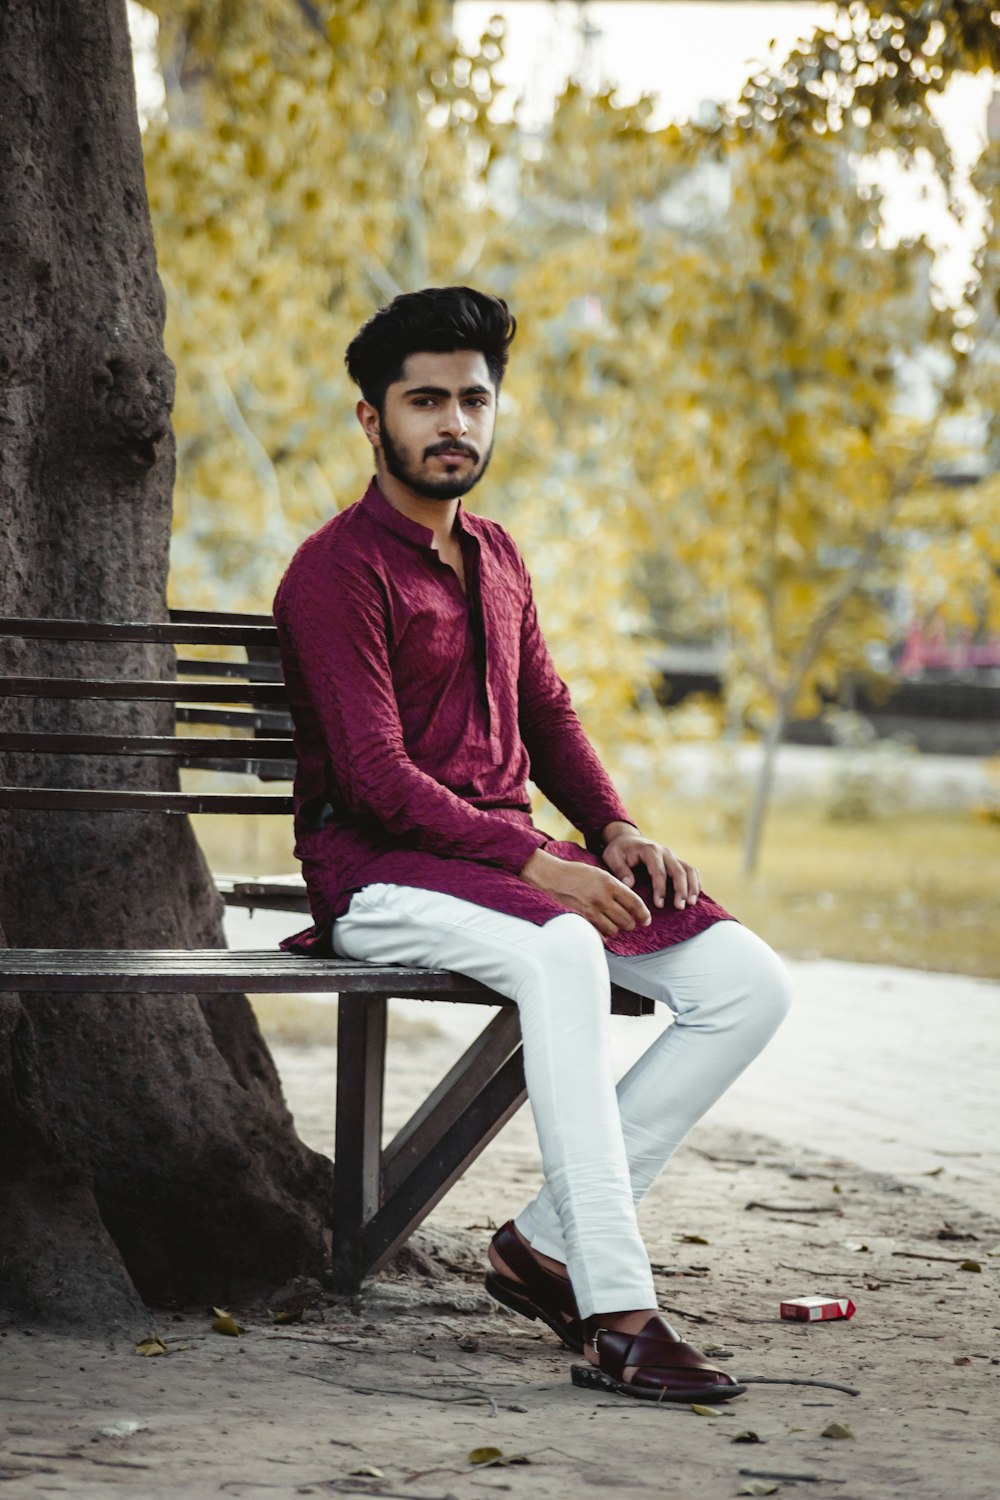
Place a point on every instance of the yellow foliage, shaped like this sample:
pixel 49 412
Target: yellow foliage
pixel 704 377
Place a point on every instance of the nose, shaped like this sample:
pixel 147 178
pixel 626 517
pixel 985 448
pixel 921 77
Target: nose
pixel 453 422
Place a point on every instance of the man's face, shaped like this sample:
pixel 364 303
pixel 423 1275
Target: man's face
pixel 435 433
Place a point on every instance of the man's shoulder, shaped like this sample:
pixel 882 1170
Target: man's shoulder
pixel 343 544
pixel 494 536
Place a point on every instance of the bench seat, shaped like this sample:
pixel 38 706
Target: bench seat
pixel 380 1193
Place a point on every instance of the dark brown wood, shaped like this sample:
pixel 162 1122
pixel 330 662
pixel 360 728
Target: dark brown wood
pixel 127 690
pixel 55 799
pixel 494 1045
pixel 196 633
pixel 248 671
pixel 219 970
pixel 272 723
pixel 361 1033
pixel 181 749
pixel 459 1145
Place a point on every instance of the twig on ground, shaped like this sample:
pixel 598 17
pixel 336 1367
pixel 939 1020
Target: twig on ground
pixel 796 1208
pixel 475 1394
pixel 824 1385
pixel 776 1474
pixel 951 1260
pixel 105 1463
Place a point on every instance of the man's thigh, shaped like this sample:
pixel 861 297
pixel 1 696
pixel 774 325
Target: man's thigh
pixel 406 925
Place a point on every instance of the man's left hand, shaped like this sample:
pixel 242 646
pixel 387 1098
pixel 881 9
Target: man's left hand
pixel 626 849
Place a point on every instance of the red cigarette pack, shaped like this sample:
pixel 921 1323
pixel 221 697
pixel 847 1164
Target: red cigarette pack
pixel 817 1309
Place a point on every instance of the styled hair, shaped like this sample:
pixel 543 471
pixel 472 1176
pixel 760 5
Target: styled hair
pixel 437 320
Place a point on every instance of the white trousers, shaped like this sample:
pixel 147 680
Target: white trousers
pixel 601 1148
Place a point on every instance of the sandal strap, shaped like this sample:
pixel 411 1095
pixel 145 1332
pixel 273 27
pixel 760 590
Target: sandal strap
pixel 544 1286
pixel 657 1346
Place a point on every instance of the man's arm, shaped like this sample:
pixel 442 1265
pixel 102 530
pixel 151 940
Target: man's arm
pixel 332 628
pixel 566 768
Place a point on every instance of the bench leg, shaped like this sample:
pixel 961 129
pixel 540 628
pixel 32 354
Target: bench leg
pixel 379 1198
pixel 467 1109
pixel 361 1028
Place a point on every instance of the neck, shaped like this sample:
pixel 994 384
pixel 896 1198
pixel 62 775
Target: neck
pixel 437 515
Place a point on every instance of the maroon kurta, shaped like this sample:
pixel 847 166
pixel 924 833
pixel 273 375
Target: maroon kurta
pixel 420 713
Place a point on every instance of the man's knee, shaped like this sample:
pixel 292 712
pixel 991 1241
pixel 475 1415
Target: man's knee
pixel 568 957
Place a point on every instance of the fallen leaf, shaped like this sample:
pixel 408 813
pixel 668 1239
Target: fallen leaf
pixel 496 1457
pixel 485 1455
pixel 836 1188
pixel 224 1322
pixel 151 1346
pixel 837 1430
pixel 970 1265
pixel 705 1411
pixel 291 1315
pixel 694 1239
pixel 366 1471
pixel 758 1487
pixel 961 1359
pixel 746 1437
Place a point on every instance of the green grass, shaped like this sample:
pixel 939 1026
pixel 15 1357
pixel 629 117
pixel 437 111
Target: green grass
pixel 914 888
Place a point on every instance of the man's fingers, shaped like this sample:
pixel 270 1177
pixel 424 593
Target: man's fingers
pixel 655 863
pixel 679 875
pixel 620 867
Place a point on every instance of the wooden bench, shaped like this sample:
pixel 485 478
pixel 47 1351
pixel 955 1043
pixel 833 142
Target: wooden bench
pixel 380 1193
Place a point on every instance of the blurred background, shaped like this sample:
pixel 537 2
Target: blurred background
pixel 749 440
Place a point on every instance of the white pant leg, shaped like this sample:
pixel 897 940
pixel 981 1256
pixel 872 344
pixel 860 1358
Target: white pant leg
pixel 558 976
pixel 729 993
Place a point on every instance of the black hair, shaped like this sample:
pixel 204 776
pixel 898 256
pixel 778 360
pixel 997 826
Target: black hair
pixel 438 320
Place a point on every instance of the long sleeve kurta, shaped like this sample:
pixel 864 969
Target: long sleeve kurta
pixel 420 713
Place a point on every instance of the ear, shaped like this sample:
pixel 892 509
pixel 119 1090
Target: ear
pixel 368 416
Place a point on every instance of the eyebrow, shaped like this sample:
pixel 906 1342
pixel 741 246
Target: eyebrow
pixel 440 390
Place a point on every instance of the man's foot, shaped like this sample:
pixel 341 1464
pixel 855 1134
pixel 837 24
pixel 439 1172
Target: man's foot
pixel 639 1354
pixel 534 1285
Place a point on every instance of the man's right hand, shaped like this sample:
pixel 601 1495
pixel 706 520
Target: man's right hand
pixel 596 894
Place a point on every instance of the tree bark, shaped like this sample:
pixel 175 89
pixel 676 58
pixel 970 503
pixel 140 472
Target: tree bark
pixel 146 1153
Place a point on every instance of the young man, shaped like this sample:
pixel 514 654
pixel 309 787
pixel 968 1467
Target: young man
pixel 423 697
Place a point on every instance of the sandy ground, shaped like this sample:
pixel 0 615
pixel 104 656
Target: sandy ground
pixel 881 1078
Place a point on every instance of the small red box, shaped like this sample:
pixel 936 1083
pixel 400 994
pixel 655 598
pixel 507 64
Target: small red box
pixel 818 1309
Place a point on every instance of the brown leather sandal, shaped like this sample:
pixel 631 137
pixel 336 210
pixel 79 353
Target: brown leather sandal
pixel 539 1293
pixel 664 1367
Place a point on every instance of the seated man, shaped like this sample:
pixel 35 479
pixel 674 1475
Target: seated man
pixel 423 697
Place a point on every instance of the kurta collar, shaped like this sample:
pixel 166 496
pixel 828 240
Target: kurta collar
pixel 378 507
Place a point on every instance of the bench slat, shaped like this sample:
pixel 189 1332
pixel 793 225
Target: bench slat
pixel 185 692
pixel 155 971
pixel 50 798
pixel 186 627
pixel 172 971
pixel 166 745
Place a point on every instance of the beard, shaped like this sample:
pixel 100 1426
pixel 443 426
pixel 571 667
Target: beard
pixel 400 464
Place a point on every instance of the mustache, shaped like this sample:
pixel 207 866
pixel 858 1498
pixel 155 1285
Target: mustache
pixel 466 448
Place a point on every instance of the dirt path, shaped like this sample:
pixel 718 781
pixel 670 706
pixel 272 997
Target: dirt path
pixel 424 1368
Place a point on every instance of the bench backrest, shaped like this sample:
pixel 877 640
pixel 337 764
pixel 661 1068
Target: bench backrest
pixel 242 703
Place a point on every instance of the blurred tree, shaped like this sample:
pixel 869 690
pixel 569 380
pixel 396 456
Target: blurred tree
pixel 713 337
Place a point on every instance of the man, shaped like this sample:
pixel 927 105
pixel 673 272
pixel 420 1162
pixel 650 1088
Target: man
pixel 423 697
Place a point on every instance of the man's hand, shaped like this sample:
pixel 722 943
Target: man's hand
pixel 605 901
pixel 626 848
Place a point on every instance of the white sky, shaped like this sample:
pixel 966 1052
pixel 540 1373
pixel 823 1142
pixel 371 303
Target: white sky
pixel 684 52
pixel 688 51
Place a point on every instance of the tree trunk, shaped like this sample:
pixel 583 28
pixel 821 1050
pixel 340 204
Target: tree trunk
pixel 146 1152
pixel 762 791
